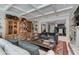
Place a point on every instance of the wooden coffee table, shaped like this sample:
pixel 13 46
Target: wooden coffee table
pixel 60 48
pixel 39 42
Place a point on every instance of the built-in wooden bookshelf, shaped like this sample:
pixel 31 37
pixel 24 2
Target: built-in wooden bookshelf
pixel 12 28
pixel 17 27
pixel 25 28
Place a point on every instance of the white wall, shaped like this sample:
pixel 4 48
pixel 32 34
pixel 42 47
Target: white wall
pixel 67 24
pixel 2 21
pixel 52 26
pixel 55 18
pixel 39 26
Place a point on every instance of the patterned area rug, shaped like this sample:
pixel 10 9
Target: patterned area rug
pixel 61 48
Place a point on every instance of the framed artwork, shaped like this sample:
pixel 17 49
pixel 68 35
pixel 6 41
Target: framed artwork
pixel 43 27
pixel 35 28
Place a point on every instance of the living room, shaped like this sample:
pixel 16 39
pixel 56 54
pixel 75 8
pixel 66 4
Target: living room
pixel 37 29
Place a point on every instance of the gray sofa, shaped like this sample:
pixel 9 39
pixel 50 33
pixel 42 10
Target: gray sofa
pixel 13 41
pixel 33 49
pixel 48 36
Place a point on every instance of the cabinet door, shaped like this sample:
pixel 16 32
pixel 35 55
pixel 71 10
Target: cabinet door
pixel 10 27
pixel 29 26
pixel 6 26
pixel 14 27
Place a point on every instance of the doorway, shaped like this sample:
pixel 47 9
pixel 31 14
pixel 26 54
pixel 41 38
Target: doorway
pixel 61 29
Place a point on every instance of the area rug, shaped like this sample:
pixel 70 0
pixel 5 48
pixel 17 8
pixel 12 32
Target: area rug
pixel 61 48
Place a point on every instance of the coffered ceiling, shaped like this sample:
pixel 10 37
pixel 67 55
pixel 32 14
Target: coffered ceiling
pixel 31 11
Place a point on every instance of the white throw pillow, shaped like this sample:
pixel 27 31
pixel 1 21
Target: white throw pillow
pixel 2 52
pixel 50 52
pixel 9 50
pixel 42 52
pixel 15 50
pixel 3 42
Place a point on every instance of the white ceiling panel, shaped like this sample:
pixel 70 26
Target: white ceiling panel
pixel 2 6
pixel 35 10
pixel 47 9
pixel 28 16
pixel 32 14
pixel 37 5
pixel 25 7
pixel 61 6
pixel 35 13
pixel 15 11
pixel 57 22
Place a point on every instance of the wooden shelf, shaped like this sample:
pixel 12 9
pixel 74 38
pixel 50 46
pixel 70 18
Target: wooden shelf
pixel 25 28
pixel 11 27
pixel 18 27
